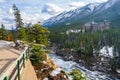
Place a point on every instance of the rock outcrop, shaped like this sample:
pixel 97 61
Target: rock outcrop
pixel 49 71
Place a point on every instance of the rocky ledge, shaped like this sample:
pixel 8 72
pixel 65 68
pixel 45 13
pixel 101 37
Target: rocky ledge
pixel 49 71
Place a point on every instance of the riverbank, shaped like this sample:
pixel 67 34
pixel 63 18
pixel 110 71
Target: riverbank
pixel 48 70
pixel 92 64
pixel 68 66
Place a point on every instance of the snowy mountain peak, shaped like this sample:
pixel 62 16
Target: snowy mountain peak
pixel 92 6
pixel 89 12
pixel 71 14
pixel 113 1
pixel 110 3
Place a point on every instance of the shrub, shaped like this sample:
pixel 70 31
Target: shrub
pixel 38 55
pixel 77 75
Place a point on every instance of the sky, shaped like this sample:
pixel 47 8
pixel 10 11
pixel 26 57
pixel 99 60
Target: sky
pixel 37 10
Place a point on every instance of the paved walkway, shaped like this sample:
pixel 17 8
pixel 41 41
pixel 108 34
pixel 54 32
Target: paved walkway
pixel 7 56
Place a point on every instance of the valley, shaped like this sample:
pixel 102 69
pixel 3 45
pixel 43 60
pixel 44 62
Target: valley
pixel 89 36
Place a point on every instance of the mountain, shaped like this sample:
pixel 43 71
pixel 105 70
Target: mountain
pixel 92 12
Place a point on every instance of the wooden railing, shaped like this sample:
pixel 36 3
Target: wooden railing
pixel 14 71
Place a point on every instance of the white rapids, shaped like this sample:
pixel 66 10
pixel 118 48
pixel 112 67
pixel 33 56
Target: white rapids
pixel 70 65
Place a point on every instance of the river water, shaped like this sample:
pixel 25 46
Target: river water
pixel 67 66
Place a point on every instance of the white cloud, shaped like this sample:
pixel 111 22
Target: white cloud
pixel 2 0
pixel 100 1
pixel 7 21
pixel 74 5
pixel 51 9
pixel 10 11
pixel 34 18
pixel 7 17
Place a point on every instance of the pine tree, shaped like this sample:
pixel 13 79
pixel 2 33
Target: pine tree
pixel 39 34
pixel 19 23
pixel 18 19
pixel 22 34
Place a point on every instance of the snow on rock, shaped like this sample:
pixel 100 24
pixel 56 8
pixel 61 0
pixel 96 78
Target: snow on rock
pixel 55 72
pixel 106 51
pixel 45 78
pixel 44 69
pixel 118 71
pixel 44 62
pixel 92 6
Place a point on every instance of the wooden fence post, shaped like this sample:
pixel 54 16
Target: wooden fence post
pixel 18 67
pixel 26 54
pixel 23 60
pixel 28 51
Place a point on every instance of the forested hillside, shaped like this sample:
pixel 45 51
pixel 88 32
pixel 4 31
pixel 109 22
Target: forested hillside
pixel 86 45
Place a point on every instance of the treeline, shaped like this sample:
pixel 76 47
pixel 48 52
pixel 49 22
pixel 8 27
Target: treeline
pixel 96 39
pixel 5 34
pixel 34 33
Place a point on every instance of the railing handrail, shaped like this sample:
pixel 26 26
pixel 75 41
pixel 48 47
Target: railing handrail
pixel 9 70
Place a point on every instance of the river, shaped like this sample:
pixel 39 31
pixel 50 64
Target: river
pixel 67 66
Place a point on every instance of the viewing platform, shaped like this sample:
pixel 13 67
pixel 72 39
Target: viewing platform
pixel 15 63
pixel 7 56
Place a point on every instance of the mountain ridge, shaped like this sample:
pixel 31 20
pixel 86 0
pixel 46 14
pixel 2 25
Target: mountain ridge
pixel 90 12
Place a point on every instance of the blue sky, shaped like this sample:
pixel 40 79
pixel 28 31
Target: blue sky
pixel 37 10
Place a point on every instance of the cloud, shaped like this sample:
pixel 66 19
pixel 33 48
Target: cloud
pixel 7 20
pixel 7 17
pixel 102 0
pixel 51 9
pixel 10 11
pixel 34 18
pixel 74 5
pixel 2 0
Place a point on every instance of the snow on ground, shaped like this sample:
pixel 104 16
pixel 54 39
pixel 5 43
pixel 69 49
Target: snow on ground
pixel 45 78
pixel 106 51
pixel 55 72
pixel 6 43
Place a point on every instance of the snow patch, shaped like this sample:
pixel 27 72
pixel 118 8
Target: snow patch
pixel 6 43
pixel 118 71
pixel 106 51
pixel 92 6
pixel 45 78
pixel 55 72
